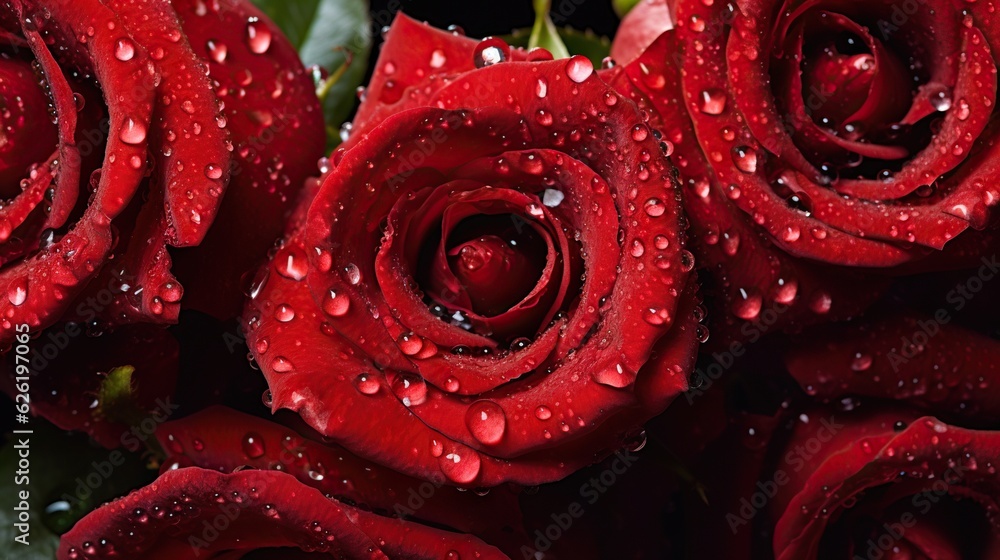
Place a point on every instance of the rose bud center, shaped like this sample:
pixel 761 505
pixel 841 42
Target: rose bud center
pixel 493 272
pixel 27 134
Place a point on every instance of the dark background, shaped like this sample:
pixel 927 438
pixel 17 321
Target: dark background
pixel 481 18
pixel 484 17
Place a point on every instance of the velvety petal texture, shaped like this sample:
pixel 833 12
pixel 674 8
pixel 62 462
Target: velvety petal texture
pixel 923 360
pixel 224 440
pixel 119 131
pixel 199 513
pixel 863 481
pixel 821 142
pixel 490 283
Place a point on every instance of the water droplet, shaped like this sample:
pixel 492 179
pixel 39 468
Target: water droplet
pixel 411 389
pixel 713 101
pixel 654 207
pixel 258 36
pixel 543 412
pixel 213 171
pixel 132 132
pixel 17 292
pixel 579 68
pixel 253 445
pixel 541 88
pixel 461 467
pixel 438 58
pixel 640 132
pixel 217 51
pixel 284 313
pixel 124 50
pixel 486 421
pixel 820 302
pixel 291 263
pixel 552 197
pixel 490 51
pixel 336 304
pixel 785 291
pixel 410 344
pixel 861 361
pixel 281 364
pixel 745 159
pixel 940 98
pixel 352 274
pixel 747 304
pixel 366 384
pixel 687 261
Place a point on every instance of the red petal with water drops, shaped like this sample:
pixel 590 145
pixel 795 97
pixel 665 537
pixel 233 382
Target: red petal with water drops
pixel 926 361
pixel 221 439
pixel 69 365
pixel 800 129
pixel 264 510
pixel 602 337
pixel 756 287
pixel 415 62
pixel 269 105
pixel 139 168
pixel 934 484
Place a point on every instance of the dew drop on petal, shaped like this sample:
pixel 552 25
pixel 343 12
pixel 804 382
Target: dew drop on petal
pixel 461 467
pixel 713 101
pixel 253 445
pixel 132 132
pixel 366 384
pixel 258 36
pixel 486 421
pixel 124 49
pixel 579 68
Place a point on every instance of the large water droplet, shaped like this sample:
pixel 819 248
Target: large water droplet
pixel 747 304
pixel 258 36
pixel 579 68
pixel 336 304
pixel 713 101
pixel 461 467
pixel 284 313
pixel 411 389
pixel 124 49
pixel 217 51
pixel 486 421
pixel 132 132
pixel 410 344
pixel 291 263
pixel 490 51
pixel 366 384
pixel 745 159
pixel 17 292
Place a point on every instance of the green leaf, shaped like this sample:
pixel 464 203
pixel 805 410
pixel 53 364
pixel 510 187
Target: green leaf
pixel 587 43
pixel 330 34
pixel 67 477
pixel 544 34
pixel 114 396
pixel 623 7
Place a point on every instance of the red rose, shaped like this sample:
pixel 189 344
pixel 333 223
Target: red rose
pixel 490 284
pixel 191 512
pixel 923 360
pixel 813 137
pixel 869 483
pixel 123 117
pixel 223 440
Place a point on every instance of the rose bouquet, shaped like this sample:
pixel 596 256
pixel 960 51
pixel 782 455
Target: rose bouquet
pixel 321 278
